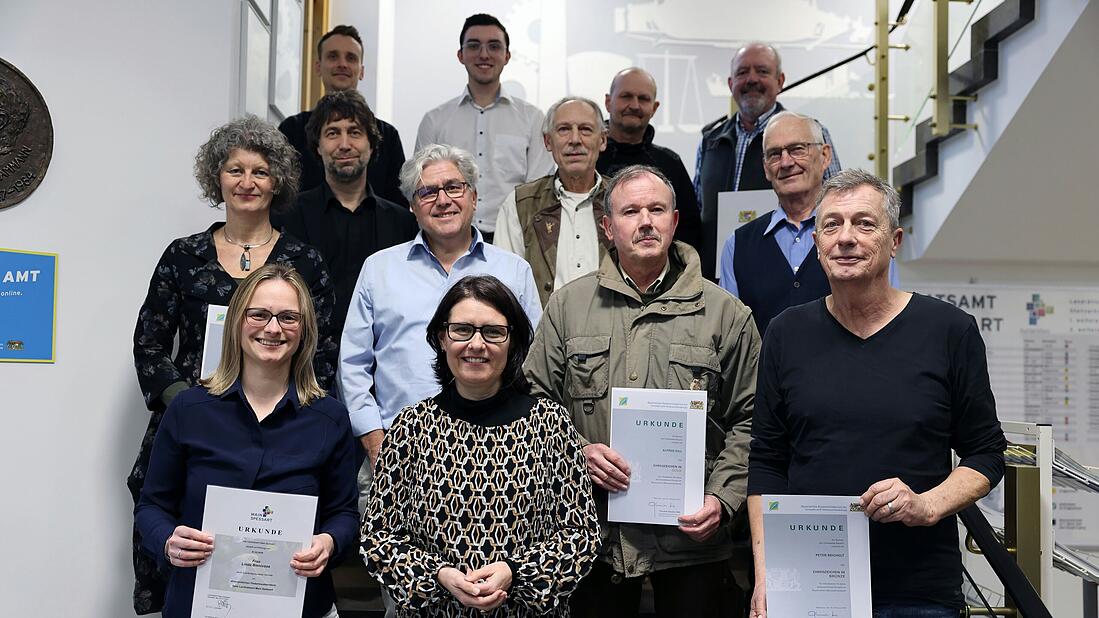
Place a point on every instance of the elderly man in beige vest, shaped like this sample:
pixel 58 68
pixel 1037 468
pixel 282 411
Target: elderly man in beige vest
pixel 553 222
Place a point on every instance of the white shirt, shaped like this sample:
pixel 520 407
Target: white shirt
pixel 505 139
pixel 577 241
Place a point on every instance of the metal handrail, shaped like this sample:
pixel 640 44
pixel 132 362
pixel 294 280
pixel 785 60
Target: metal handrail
pixel 1016 585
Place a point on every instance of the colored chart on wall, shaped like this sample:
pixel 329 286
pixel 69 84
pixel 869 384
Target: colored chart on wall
pixel 28 294
pixel 1043 361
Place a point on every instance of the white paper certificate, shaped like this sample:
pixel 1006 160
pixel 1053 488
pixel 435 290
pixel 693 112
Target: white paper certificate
pixel 662 435
pixel 817 551
pixel 211 342
pixel 255 535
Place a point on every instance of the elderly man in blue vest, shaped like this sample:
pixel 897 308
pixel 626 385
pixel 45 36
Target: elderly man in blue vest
pixel 770 263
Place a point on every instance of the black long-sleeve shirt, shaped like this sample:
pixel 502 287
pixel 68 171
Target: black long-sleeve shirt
pixel 836 413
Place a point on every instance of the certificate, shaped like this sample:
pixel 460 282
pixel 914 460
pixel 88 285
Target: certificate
pixel 256 533
pixel 211 342
pixel 817 552
pixel 662 435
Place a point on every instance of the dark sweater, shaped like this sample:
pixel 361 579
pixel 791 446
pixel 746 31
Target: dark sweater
pixel 835 413
pixel 764 279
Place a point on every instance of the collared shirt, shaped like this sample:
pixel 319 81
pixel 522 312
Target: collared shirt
pixel 793 240
pixel 744 138
pixel 505 139
pixel 654 286
pixel 577 241
pixel 385 362
pixel 208 439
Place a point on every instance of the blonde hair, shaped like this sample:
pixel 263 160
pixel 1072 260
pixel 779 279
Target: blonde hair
pixel 301 368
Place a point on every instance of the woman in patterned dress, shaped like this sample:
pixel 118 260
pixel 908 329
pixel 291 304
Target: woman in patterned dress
pixel 480 500
pixel 248 166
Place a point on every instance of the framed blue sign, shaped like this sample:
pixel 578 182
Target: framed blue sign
pixel 28 306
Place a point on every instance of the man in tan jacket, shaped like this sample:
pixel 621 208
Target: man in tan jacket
pixel 553 222
pixel 648 319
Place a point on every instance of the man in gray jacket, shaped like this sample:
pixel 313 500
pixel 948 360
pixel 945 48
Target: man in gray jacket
pixel 648 319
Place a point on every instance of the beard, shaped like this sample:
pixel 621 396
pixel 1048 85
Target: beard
pixel 754 104
pixel 346 173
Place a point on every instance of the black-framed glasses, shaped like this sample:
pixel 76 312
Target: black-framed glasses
pixel 492 333
pixel 428 195
pixel 797 150
pixel 262 317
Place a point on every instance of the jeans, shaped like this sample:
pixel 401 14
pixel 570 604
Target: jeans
pixel 915 611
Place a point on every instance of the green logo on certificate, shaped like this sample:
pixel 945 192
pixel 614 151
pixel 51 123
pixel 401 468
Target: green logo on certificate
pixel 772 505
pixel 623 401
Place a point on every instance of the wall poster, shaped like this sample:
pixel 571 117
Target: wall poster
pixel 28 308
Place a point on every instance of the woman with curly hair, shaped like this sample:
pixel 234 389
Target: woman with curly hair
pixel 247 166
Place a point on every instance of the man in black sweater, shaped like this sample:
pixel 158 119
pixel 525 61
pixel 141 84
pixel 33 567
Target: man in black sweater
pixel 340 66
pixel 866 392
pixel 631 104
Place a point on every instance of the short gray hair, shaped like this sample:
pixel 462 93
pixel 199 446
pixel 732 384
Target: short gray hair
pixel 778 57
pixel 631 172
pixel 413 169
pixel 547 122
pixel 253 135
pixel 815 129
pixel 850 180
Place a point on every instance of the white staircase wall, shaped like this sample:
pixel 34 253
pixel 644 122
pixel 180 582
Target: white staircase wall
pixel 979 199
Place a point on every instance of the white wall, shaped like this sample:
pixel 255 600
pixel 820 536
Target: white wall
pixel 133 88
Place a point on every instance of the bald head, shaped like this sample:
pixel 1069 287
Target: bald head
pixel 631 104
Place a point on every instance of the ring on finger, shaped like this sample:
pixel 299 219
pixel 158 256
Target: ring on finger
pixel 889 505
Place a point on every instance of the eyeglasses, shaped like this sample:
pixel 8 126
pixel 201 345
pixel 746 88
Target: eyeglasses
pixel 492 333
pixel 797 150
pixel 262 317
pixel 428 195
pixel 474 47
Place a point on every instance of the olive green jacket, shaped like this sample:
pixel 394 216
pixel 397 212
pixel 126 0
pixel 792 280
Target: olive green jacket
pixel 596 333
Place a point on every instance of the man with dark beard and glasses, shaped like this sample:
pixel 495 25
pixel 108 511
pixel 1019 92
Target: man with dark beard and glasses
pixel 342 217
pixel 730 157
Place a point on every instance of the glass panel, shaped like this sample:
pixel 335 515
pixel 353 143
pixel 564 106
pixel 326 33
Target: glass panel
pixel 257 55
pixel 286 94
pixel 914 70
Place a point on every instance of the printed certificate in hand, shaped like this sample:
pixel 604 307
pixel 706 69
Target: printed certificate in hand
pixel 256 533
pixel 211 343
pixel 662 435
pixel 817 552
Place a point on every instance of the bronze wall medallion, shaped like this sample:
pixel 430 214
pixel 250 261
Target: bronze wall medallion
pixel 26 136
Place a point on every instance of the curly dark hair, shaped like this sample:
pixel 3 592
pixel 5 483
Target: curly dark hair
pixel 254 135
pixel 338 106
pixel 492 292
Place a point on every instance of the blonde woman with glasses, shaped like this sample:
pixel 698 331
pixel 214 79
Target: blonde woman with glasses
pixel 261 422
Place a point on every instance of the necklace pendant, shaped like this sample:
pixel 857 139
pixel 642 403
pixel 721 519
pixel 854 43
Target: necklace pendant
pixel 245 261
